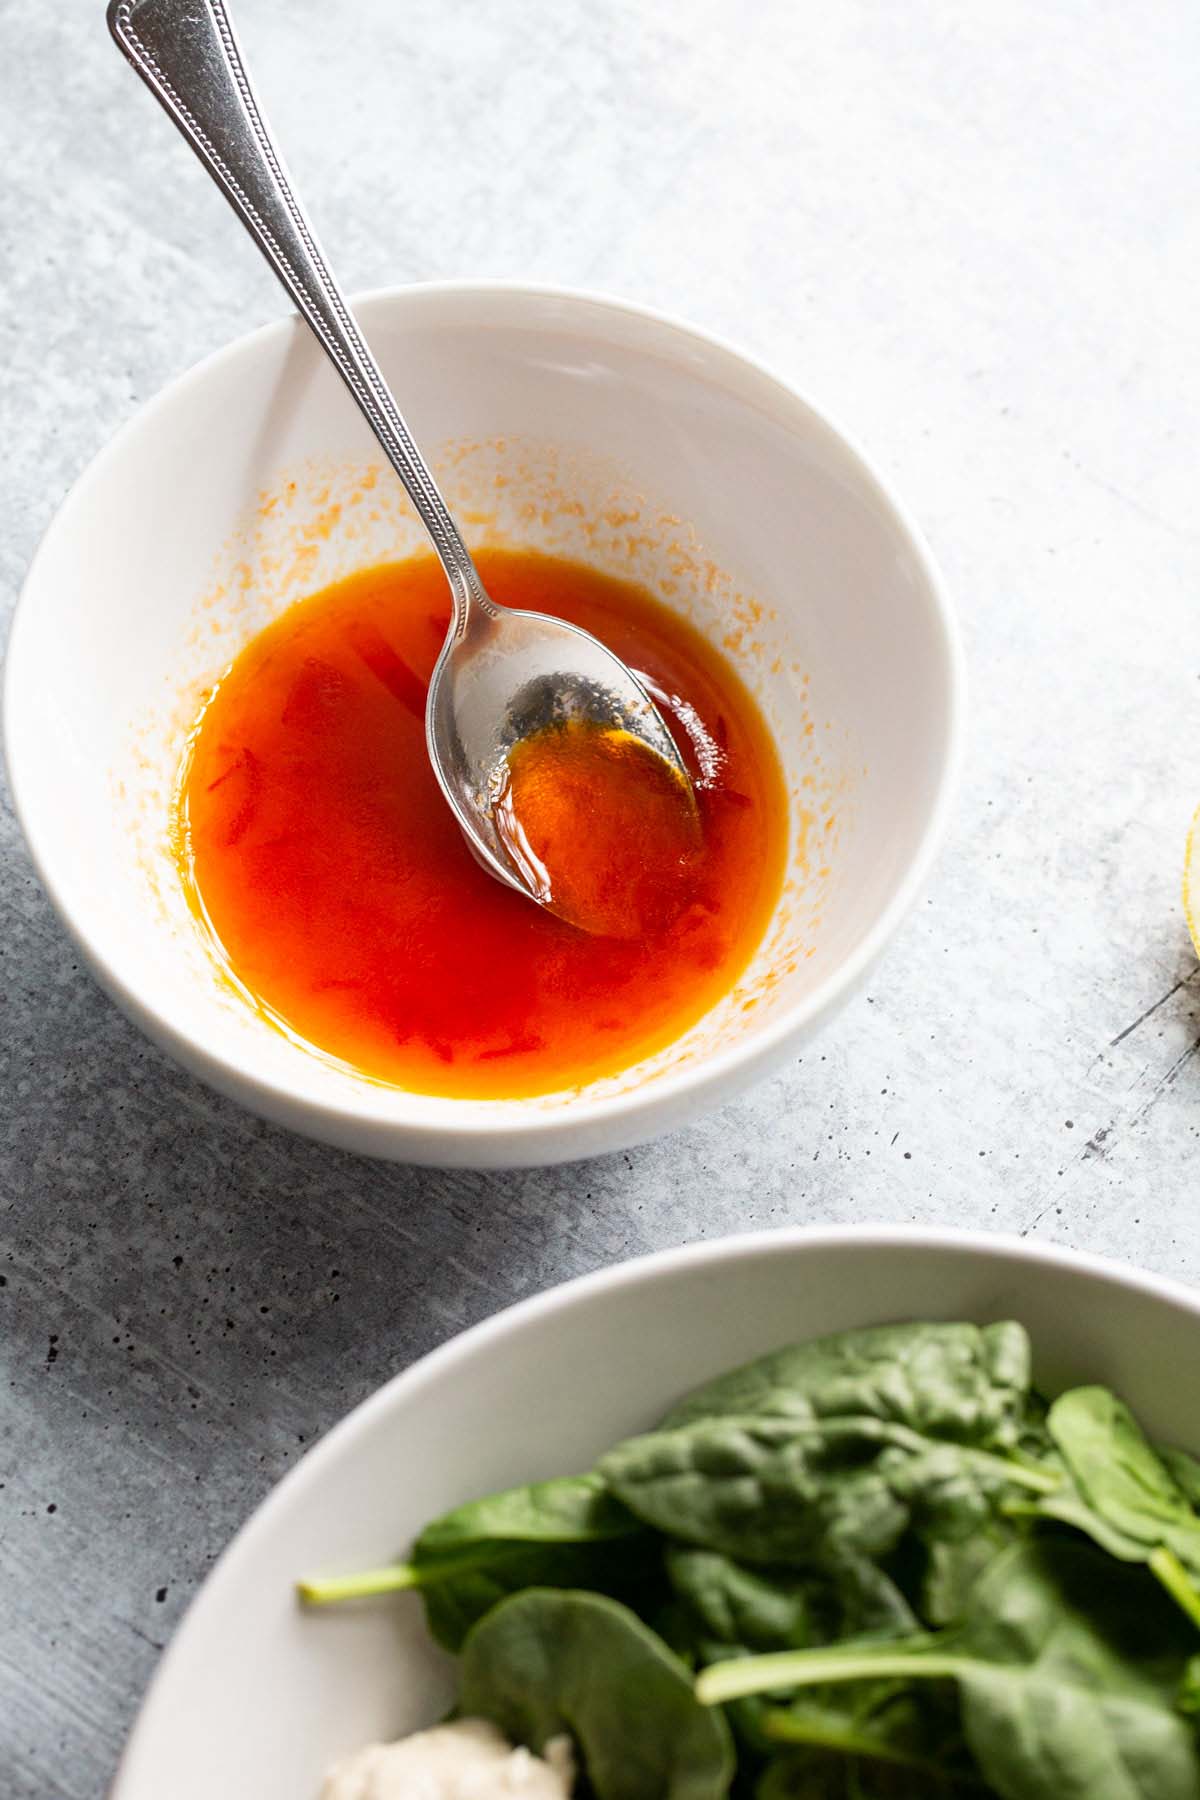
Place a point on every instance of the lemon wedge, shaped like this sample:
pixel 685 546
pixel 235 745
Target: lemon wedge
pixel 1191 882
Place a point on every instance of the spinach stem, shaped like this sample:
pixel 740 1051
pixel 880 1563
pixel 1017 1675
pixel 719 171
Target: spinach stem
pixel 1174 1577
pixel 826 1734
pixel 397 1577
pixel 1021 1474
pixel 360 1586
pixel 741 1676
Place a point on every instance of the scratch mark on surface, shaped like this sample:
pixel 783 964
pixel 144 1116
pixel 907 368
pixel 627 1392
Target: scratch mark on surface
pixel 1103 1140
pixel 1036 1219
pixel 1165 1081
pixel 1183 981
pixel 1138 506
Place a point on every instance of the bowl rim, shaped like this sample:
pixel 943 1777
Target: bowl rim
pixel 397 1112
pixel 639 1271
pixel 458 1351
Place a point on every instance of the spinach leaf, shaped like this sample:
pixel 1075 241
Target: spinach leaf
pixel 767 1609
pixel 868 1602
pixel 569 1532
pixel 776 1608
pixel 1068 1668
pixel 732 1611
pixel 1070 1508
pixel 1128 1500
pixel 1118 1473
pixel 884 1733
pixel 776 1490
pixel 958 1381
pixel 838 1777
pixel 545 1662
pixel 626 1569
pixel 574 1509
pixel 1188 1697
pixel 1185 1469
pixel 841 1776
pixel 957 1558
pixel 910 1726
pixel 1089 1709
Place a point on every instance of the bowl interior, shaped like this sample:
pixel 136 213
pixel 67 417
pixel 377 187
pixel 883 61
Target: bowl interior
pixel 561 423
pixel 255 1698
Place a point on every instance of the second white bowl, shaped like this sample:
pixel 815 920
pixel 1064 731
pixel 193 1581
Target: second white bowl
pixel 256 1697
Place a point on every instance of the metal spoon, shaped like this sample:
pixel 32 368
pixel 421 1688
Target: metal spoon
pixel 501 674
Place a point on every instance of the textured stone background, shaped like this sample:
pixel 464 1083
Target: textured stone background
pixel 972 233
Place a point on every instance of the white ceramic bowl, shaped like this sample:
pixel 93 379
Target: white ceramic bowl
pixel 557 421
pixel 254 1697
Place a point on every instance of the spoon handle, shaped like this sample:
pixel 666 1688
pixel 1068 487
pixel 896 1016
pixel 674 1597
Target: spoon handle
pixel 186 53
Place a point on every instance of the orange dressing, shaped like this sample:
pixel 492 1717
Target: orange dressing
pixel 608 831
pixel 315 842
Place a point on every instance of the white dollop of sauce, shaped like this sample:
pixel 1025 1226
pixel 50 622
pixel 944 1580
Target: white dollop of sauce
pixel 466 1760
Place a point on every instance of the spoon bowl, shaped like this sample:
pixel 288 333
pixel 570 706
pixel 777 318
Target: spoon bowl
pixel 502 674
pixel 508 676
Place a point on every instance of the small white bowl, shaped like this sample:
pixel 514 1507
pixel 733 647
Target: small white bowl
pixel 255 1698
pixel 556 421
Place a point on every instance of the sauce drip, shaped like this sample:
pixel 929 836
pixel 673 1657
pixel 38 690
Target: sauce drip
pixel 318 850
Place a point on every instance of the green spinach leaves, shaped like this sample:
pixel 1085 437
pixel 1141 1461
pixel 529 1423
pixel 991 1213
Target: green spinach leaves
pixel 1068 1669
pixel 888 1567
pixel 965 1383
pixel 546 1662
pixel 800 1490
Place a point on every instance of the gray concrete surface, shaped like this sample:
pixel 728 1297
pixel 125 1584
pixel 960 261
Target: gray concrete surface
pixel 973 233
